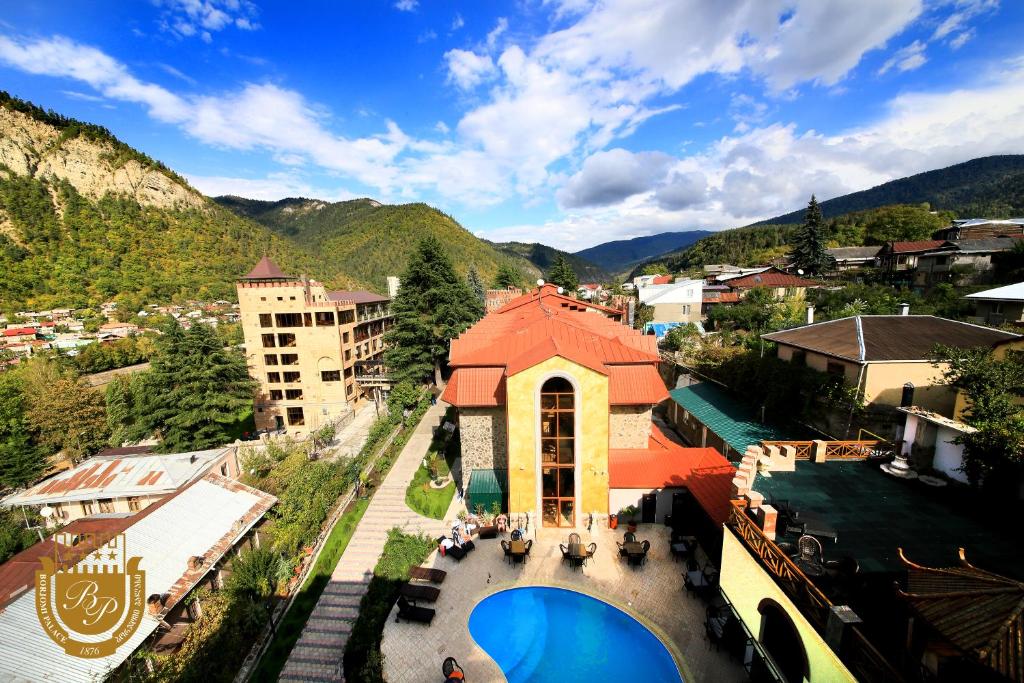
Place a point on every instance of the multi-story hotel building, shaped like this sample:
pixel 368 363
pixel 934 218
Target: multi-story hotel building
pixel 308 347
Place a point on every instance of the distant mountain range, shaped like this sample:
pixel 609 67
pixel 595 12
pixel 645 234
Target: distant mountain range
pixel 986 187
pixel 542 257
pixel 619 255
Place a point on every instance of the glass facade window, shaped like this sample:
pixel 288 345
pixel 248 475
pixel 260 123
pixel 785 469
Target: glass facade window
pixel 266 320
pixel 296 416
pixel 558 453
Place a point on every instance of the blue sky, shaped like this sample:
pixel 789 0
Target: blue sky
pixel 558 121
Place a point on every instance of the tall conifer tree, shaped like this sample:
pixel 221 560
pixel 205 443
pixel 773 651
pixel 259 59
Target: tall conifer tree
pixel 809 253
pixel 563 275
pixel 476 285
pixel 433 306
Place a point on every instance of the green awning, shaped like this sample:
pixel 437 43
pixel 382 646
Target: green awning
pixel 733 421
pixel 487 487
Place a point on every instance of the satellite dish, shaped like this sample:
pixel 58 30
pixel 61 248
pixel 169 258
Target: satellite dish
pixel 540 282
pixel 561 291
pixel 46 511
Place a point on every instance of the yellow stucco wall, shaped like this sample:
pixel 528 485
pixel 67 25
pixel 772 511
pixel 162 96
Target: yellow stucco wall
pixel 883 385
pixel 746 584
pixel 591 435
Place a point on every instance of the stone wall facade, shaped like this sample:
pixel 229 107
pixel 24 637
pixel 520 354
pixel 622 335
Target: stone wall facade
pixel 629 426
pixel 484 436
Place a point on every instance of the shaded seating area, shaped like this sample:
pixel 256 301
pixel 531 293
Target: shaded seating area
pixel 633 550
pixel 517 550
pixel 701 580
pixel 456 547
pixel 410 612
pixel 576 553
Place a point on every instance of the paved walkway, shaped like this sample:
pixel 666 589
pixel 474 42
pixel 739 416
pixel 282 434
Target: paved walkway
pixel 317 655
pixel 352 436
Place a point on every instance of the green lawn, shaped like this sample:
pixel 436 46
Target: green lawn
pixel 427 501
pixel 290 628
pixel 363 661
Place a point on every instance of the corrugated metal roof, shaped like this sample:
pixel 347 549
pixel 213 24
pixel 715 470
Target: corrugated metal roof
pixel 734 422
pixel 908 247
pixel 888 337
pixel 635 385
pixel 118 476
pixel 772 277
pixel 1014 292
pixel 359 296
pixel 204 519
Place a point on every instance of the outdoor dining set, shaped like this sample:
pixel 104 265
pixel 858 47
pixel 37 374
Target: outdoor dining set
pixel 575 553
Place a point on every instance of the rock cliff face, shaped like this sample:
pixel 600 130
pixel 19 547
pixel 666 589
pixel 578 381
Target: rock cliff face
pixel 32 148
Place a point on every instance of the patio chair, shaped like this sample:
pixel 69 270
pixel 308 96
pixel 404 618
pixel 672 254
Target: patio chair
pixel 420 593
pixel 647 547
pixel 574 538
pixel 622 550
pixel 714 626
pixel 565 551
pixel 809 550
pixel 529 544
pixel 409 612
pixel 428 574
pixel 517 535
pixel 507 548
pixel 629 537
pixel 452 671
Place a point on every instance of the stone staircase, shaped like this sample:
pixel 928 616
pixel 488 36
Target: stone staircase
pixel 316 657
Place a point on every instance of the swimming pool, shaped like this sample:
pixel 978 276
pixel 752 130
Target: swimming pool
pixel 539 633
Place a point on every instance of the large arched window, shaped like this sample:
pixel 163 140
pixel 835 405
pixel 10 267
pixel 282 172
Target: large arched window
pixel 558 452
pixel 782 642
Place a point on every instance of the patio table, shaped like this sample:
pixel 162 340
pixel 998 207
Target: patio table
pixel 517 549
pixel 816 525
pixel 633 548
pixel 577 554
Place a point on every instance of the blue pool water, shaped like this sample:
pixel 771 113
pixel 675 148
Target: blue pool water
pixel 550 634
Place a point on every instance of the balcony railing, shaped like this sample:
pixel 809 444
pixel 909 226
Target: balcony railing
pixel 858 654
pixel 838 450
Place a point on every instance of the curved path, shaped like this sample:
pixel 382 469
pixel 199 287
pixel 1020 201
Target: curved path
pixel 316 657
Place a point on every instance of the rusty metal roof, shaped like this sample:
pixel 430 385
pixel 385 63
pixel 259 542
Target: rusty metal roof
pixel 205 519
pixel 266 270
pixel 979 612
pixel 773 277
pixel 887 337
pixel 117 476
pixel 358 296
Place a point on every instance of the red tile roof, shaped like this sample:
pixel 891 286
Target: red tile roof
pixel 19 331
pixel 552 298
pixel 919 245
pixel 664 463
pixel 721 297
pixel 476 388
pixel 770 278
pixel 266 270
pixel 662 280
pixel 541 325
pixel 635 385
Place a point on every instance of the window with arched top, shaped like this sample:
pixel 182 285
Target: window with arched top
pixel 558 452
pixel 782 642
pixel 907 399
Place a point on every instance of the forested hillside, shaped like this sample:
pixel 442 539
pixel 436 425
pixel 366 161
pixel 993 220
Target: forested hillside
pixel 542 257
pixel 619 255
pixel 84 218
pixel 989 187
pixel 369 240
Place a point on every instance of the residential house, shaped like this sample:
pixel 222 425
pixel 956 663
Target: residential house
pixel 1000 305
pixel 834 570
pixel 853 258
pixel 886 357
pixel 120 483
pixel 899 259
pixel 317 354
pixel 641 281
pixel 555 409
pixel 981 228
pixel 184 541
pixel 970 260
pixel 678 302
pixel 118 329
pixel 717 295
pixel 782 285
pixel 589 292
pixel 20 334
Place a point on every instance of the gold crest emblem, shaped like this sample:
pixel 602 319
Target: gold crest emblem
pixel 101 595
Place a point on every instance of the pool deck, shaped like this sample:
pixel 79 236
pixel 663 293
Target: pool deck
pixel 653 594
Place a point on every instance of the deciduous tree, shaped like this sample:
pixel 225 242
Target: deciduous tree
pixel 508 276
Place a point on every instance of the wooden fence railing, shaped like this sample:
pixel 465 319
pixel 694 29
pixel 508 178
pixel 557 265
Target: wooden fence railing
pixel 838 450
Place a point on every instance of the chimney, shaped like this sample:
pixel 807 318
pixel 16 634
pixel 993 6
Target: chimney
pixel 904 309
pixel 810 314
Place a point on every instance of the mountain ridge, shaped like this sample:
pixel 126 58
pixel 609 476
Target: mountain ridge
pixel 618 255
